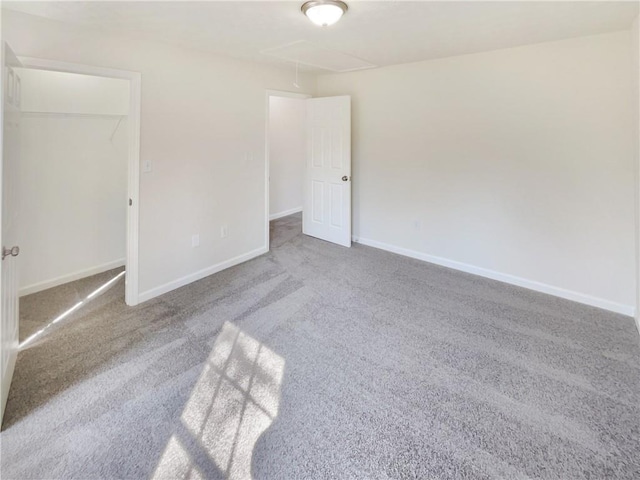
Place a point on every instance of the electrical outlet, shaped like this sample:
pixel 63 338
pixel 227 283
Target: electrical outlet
pixel 195 240
pixel 224 231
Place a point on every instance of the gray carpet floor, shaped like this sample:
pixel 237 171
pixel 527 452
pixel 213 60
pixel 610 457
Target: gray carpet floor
pixel 317 361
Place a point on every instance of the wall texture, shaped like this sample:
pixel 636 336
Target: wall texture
pixel 287 150
pixel 203 130
pixel 516 164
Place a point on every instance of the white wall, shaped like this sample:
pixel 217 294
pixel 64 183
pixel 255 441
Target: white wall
pixel 73 177
pixel 287 150
pixel 516 164
pixel 48 91
pixel 203 130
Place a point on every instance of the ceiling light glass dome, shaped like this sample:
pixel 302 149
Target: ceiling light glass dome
pixel 324 12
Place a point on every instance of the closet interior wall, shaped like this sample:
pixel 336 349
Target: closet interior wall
pixel 73 177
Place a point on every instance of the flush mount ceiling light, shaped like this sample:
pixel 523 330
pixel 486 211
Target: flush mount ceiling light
pixel 324 12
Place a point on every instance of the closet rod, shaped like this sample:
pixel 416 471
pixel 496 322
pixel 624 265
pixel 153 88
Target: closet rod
pixel 66 114
pixel 116 129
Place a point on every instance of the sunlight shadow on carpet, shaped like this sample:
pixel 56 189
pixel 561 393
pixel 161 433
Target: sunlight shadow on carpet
pixel 39 334
pixel 234 401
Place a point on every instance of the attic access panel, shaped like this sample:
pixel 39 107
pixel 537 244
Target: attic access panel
pixel 307 53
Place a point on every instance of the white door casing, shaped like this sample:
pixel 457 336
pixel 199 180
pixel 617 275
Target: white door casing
pixel 11 93
pixel 327 189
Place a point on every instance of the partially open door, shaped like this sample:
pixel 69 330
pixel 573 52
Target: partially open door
pixel 327 188
pixel 8 228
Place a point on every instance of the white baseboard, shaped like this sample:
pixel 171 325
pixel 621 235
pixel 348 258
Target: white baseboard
pixel 503 277
pixel 54 282
pixel 285 213
pixel 205 272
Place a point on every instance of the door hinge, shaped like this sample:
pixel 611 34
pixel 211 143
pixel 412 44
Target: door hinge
pixel 130 202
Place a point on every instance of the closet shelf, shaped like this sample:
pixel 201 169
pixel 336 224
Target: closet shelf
pixel 65 114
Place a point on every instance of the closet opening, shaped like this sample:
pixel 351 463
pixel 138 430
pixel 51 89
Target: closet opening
pixel 77 192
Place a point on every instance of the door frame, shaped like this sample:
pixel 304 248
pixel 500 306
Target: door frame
pixel 268 94
pixel 133 177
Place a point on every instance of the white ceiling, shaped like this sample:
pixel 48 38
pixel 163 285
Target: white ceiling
pixel 375 32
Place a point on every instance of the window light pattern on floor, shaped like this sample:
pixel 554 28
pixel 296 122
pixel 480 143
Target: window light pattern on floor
pixel 234 401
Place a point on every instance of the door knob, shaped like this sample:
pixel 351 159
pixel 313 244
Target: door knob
pixel 345 178
pixel 13 251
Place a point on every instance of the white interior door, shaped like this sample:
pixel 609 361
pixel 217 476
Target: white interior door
pixel 327 189
pixel 8 234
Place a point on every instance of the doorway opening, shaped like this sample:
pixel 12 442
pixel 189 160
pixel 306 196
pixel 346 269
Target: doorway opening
pixel 308 167
pixel 72 177
pixel 77 189
pixel 286 153
pixel 97 110
pixel 72 194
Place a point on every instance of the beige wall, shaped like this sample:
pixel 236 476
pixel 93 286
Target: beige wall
pixel 203 129
pixel 516 164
